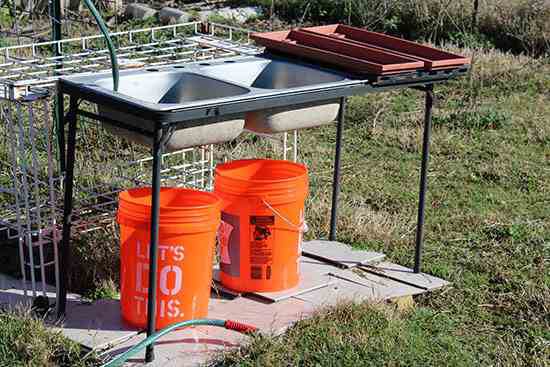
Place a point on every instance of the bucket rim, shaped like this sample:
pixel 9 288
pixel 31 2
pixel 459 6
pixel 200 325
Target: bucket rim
pixel 227 165
pixel 124 196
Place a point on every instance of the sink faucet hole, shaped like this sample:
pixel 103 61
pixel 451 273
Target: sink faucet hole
pixel 179 66
pixel 152 69
pixel 204 64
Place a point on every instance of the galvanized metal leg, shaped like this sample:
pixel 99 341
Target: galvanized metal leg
pixel 56 20
pixel 336 177
pixel 60 129
pixel 65 251
pixel 153 248
pixel 423 177
pixel 57 35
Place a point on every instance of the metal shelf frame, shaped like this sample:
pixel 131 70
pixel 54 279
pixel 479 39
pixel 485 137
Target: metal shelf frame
pixel 424 83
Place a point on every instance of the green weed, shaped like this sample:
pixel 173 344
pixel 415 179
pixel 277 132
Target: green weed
pixel 489 119
pixel 25 341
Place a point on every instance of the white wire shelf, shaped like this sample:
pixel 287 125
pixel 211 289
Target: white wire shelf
pixel 28 71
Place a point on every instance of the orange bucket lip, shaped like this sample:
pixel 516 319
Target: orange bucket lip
pixel 226 170
pixel 276 180
pixel 144 199
pixel 177 206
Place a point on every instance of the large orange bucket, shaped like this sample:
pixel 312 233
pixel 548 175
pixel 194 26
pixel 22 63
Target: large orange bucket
pixel 189 220
pixel 262 223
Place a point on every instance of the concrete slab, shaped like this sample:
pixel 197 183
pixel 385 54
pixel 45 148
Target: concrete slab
pixel 308 282
pixel 99 325
pixel 312 266
pixel 96 325
pixel 339 253
pixel 358 276
pixel 220 338
pixel 337 273
pixel 406 275
pixel 358 289
pixel 16 292
pixel 270 318
pixel 313 275
pixel 196 346
pixel 186 347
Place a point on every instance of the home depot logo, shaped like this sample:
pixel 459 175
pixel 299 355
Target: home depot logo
pixel 170 279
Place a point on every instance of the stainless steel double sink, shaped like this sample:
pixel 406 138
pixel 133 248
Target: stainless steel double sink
pixel 184 86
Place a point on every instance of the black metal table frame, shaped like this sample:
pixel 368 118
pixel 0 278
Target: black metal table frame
pixel 67 157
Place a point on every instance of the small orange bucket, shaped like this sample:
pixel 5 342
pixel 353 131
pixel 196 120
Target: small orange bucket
pixel 189 220
pixel 262 223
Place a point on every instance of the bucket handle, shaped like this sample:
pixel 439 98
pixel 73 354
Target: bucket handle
pixel 301 228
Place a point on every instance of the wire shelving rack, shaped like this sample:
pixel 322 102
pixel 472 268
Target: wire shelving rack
pixel 31 181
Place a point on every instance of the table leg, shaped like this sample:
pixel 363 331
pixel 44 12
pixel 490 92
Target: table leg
pixel 60 129
pixel 65 251
pixel 336 177
pixel 423 177
pixel 153 248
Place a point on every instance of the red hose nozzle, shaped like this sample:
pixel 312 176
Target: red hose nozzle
pixel 240 327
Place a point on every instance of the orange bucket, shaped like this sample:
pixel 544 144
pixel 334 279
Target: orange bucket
pixel 262 223
pixel 189 220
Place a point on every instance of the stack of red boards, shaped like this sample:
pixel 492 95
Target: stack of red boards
pixel 359 50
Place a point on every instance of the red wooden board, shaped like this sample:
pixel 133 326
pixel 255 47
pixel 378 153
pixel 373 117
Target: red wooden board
pixel 352 57
pixel 433 58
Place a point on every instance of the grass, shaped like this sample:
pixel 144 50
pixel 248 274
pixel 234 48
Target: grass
pixel 362 335
pixel 25 341
pixel 517 25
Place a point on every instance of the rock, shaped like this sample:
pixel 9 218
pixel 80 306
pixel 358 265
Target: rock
pixel 139 11
pixel 76 6
pixel 239 15
pixel 116 6
pixel 203 15
pixel 171 16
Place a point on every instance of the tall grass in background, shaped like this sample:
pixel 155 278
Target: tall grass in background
pixel 510 25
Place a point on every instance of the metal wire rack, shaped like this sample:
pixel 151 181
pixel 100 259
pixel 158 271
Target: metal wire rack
pixel 26 71
pixel 31 180
pixel 28 207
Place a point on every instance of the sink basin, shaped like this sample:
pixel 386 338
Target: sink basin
pixel 278 74
pixel 212 101
pixel 271 74
pixel 282 75
pixel 193 87
pixel 173 87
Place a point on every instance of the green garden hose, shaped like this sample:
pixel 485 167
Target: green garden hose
pixel 110 46
pixel 227 324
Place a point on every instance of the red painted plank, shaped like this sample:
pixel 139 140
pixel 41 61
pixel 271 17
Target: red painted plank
pixel 355 58
pixel 432 57
pixel 389 61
